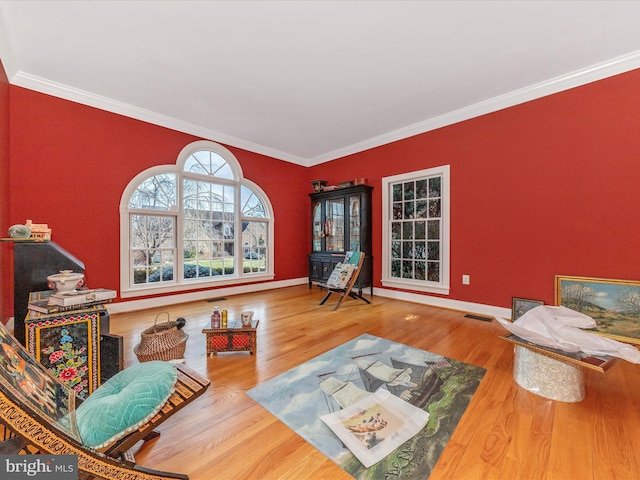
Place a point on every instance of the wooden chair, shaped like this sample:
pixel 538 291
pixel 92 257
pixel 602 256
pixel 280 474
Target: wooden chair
pixel 344 277
pixel 37 414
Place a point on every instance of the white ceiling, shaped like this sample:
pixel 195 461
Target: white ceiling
pixel 310 81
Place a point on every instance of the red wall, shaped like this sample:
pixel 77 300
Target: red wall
pixel 70 164
pixel 6 272
pixel 548 187
pixel 543 188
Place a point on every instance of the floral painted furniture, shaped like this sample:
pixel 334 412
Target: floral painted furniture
pixel 68 345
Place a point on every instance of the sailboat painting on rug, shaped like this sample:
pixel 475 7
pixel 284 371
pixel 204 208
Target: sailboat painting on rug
pixel 441 386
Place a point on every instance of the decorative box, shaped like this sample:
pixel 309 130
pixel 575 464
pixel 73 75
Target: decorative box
pixel 232 339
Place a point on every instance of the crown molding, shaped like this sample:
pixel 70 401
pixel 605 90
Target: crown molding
pixel 42 85
pixel 574 79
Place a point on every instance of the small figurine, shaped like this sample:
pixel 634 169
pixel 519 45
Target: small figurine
pixel 19 231
pixel 40 231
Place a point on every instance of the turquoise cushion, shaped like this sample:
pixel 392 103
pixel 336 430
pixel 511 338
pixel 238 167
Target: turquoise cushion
pixel 125 402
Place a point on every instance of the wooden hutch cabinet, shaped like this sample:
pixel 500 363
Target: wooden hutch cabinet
pixel 340 222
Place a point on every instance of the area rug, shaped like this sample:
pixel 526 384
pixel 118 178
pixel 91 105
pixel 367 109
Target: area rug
pixel 439 385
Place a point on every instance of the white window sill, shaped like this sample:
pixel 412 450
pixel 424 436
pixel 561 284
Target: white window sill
pixel 416 286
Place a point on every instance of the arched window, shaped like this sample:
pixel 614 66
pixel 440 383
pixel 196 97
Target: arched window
pixel 196 224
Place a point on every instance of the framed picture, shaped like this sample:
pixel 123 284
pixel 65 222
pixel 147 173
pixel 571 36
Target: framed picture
pixel 613 304
pixel 520 306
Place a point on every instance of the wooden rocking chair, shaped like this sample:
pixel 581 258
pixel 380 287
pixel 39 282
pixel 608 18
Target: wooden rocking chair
pixel 343 278
pixel 38 416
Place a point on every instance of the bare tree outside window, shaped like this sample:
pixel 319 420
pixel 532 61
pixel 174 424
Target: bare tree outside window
pixel 200 223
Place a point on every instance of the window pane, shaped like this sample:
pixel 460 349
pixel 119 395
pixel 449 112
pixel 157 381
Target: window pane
pixel 408 210
pixel 396 230
pixel 190 249
pixel 422 209
pixel 397 193
pixel 254 246
pixel 208 220
pixel 208 163
pixel 420 271
pixel 434 208
pixel 433 229
pixel 435 187
pixel 251 204
pixel 152 248
pixel 189 189
pixel 318 228
pixel 335 209
pixel 407 269
pixel 155 193
pixel 397 211
pixel 422 189
pixel 407 250
pixel 433 271
pixel 140 276
pixel 395 249
pixel 354 223
pixel 433 250
pixel 407 230
pixel 396 266
pixel 409 191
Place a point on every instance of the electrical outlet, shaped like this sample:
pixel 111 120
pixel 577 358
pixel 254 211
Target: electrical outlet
pixel 466 280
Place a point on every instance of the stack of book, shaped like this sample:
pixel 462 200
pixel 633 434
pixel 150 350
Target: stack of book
pixel 52 302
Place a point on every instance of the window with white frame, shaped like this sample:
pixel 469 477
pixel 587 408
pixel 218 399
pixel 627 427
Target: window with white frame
pixel 415 230
pixel 195 224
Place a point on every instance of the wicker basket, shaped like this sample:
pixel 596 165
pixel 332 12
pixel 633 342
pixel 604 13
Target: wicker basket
pixel 164 341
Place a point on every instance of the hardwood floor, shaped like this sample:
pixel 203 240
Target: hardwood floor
pixel 506 433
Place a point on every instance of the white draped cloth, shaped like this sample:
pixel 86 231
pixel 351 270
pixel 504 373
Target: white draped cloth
pixel 559 327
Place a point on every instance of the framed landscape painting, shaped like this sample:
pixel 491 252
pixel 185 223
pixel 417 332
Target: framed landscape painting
pixel 520 306
pixel 613 304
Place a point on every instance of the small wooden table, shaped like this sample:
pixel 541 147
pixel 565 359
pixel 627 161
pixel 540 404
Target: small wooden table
pixel 552 373
pixel 234 338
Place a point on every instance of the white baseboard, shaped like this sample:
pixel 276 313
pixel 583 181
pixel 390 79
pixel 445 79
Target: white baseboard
pixel 130 306
pixel 478 308
pixel 469 307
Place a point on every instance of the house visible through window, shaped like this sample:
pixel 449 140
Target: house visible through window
pixel 194 224
pixel 416 230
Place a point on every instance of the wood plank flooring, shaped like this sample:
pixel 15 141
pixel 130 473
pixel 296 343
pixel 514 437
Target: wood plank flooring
pixel 506 433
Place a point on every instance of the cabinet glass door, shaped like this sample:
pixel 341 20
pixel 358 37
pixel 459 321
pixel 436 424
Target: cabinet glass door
pixel 334 224
pixel 318 227
pixel 354 223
